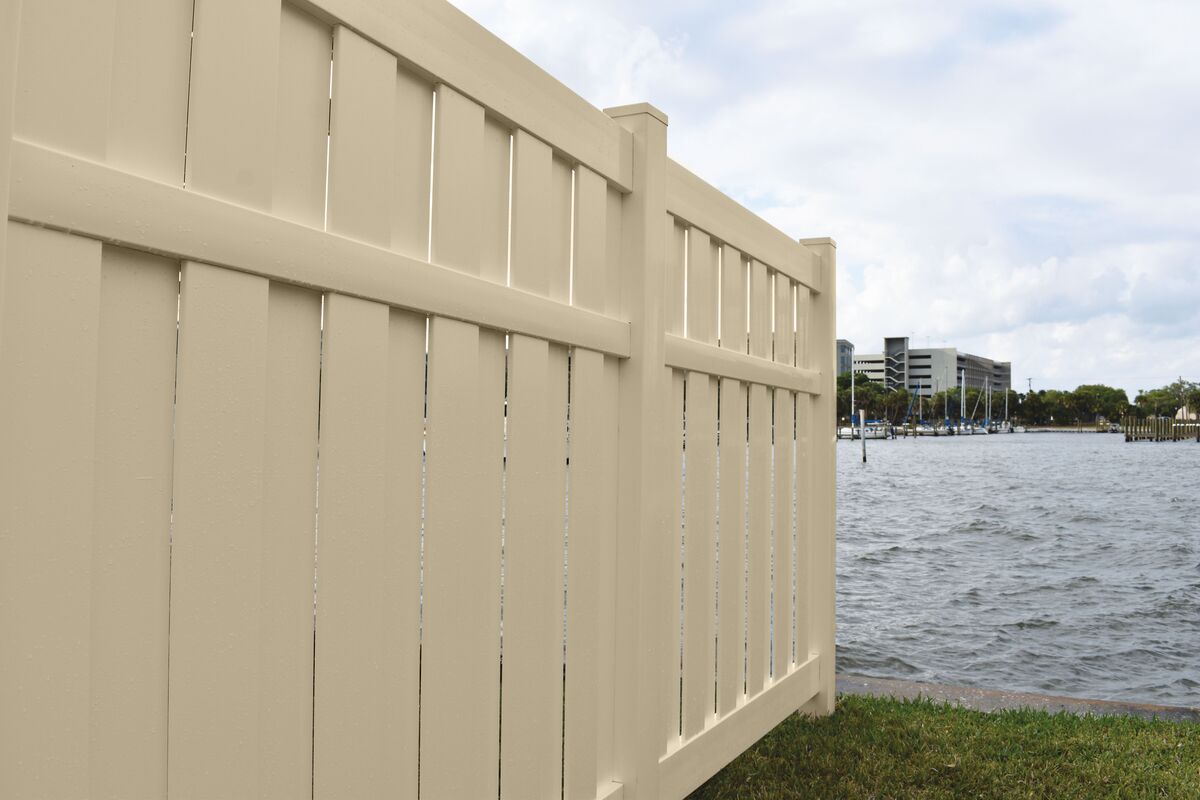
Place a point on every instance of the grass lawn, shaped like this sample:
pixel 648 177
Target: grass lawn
pixel 883 748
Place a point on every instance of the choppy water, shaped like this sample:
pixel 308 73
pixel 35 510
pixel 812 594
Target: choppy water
pixel 1059 563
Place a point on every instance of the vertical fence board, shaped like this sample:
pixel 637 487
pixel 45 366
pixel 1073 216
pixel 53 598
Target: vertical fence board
pixel 413 154
pixel 676 529
pixel 699 554
pixel 131 548
pixel 781 590
pixel 759 622
pixel 758 634
pixel 674 311
pixel 533 548
pixel 614 252
pixel 302 120
pixel 355 751
pixel 217 668
pixel 559 229
pixel 48 349
pixel 731 575
pixel 289 511
pixel 804 525
pixel 150 59
pixel 362 125
pixel 589 574
pixel 497 158
pixel 702 288
pixel 590 255
pixel 531 209
pixel 461 630
pixel 803 323
pixel 733 300
pixel 231 112
pixel 458 166
pixel 405 457
pixel 784 350
pixel 62 101
pixel 732 500
pixel 606 632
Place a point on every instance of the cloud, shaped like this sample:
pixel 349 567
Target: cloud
pixel 1017 178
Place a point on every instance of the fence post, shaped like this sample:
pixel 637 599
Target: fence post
pixel 643 485
pixel 824 465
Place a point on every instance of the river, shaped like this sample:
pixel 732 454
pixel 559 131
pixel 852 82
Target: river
pixel 1062 563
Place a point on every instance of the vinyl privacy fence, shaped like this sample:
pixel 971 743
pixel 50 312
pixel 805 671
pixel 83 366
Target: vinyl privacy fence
pixel 378 419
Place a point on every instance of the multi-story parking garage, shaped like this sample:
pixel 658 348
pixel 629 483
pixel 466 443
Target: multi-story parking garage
pixel 928 370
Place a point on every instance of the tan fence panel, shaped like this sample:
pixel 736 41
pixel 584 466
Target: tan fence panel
pixel 573 531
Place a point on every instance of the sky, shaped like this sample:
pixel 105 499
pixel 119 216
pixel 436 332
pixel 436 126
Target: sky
pixel 1017 179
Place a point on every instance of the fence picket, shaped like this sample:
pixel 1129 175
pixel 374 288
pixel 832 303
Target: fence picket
pixel 49 311
pixel 590 562
pixel 359 592
pixel 362 127
pixel 758 636
pixel 152 46
pixel 530 735
pixel 64 102
pixel 413 154
pixel 217 552
pixel 302 128
pixel 231 107
pixel 131 548
pixel 460 664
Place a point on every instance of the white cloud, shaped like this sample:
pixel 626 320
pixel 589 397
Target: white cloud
pixel 1016 178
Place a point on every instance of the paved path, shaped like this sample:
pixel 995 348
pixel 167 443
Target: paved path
pixel 989 700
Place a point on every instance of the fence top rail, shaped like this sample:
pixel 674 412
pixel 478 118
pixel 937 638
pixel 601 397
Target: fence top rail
pixel 698 203
pixel 432 36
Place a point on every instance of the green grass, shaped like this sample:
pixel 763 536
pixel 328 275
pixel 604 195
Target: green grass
pixel 882 748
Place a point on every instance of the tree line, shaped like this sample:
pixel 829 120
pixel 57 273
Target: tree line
pixel 1087 404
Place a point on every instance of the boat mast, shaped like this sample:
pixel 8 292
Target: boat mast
pixel 852 393
pixel 962 400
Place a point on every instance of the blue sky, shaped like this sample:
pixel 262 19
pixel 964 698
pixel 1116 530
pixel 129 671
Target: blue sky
pixel 1018 179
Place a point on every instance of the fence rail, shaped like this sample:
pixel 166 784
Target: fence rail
pixel 379 418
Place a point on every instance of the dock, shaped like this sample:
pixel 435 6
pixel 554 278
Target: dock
pixel 1160 429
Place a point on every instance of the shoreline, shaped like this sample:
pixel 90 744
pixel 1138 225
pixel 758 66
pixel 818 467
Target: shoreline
pixel 994 700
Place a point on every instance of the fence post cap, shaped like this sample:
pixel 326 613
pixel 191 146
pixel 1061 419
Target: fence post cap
pixel 616 112
pixel 820 240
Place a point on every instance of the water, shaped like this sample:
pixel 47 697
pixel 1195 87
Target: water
pixel 1058 563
